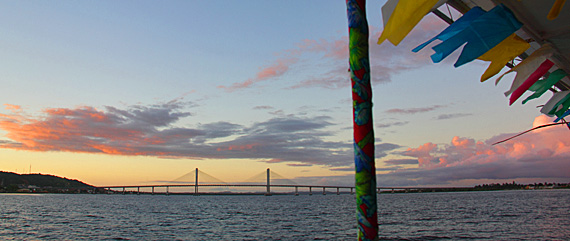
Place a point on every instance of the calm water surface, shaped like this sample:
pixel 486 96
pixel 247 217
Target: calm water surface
pixel 500 215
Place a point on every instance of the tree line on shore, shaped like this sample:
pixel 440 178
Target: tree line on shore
pixel 514 185
pixel 40 183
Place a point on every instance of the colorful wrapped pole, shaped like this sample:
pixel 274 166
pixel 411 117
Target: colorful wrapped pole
pixel 367 214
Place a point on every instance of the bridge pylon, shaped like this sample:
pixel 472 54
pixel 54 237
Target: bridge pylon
pixel 196 184
pixel 268 193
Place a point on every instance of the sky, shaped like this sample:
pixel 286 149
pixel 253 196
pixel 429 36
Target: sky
pixel 141 92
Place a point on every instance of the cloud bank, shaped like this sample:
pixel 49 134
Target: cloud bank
pixel 544 153
pixel 539 156
pixel 152 131
pixel 298 141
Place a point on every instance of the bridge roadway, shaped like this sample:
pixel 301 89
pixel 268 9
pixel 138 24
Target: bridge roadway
pixel 268 192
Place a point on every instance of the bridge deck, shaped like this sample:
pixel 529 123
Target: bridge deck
pixel 275 185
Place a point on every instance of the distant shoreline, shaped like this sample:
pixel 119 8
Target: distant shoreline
pixel 41 183
pixel 130 193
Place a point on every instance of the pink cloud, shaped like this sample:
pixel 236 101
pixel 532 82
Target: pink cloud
pixel 542 153
pixel 276 70
pixel 151 131
pixel 13 107
pixel 280 67
pixel 85 129
pixel 459 142
pixel 541 120
pixel 385 60
pixel 423 153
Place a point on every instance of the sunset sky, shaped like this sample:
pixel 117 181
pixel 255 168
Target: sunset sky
pixel 135 92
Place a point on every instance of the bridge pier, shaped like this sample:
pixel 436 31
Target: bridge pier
pixel 310 190
pixel 351 191
pixel 196 184
pixel 138 190
pixel 152 190
pixel 392 190
pixel 324 192
pixel 123 190
pixel 296 191
pixel 337 191
pixel 268 193
pixel 378 190
pixel 167 190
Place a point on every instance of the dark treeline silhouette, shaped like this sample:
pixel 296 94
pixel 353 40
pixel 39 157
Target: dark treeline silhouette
pixel 514 185
pixel 41 183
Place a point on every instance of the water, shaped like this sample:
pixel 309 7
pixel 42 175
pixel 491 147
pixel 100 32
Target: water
pixel 499 215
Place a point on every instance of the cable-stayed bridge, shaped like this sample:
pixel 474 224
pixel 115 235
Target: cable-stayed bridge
pixel 195 182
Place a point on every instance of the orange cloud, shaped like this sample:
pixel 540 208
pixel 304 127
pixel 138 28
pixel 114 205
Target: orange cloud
pixel 272 71
pixel 12 107
pixel 83 129
pixel 150 131
pixel 539 155
pixel 541 120
pixel 423 153
pixel 462 142
pixel 551 142
pixel 385 60
pixel 280 67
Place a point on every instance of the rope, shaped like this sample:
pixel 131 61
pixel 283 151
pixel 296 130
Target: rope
pixel 535 128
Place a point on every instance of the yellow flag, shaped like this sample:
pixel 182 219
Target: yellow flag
pixel 405 17
pixel 504 52
pixel 555 10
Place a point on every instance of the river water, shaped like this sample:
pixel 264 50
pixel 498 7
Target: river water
pixel 497 215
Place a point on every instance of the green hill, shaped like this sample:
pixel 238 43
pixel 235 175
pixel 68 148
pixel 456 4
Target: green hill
pixel 10 181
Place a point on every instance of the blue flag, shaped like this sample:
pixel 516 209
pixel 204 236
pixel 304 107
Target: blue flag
pixel 484 33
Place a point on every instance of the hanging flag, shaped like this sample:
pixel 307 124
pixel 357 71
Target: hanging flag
pixel 563 107
pixel 501 54
pixel 539 72
pixel 482 35
pixel 555 10
pixel 406 15
pixel 525 68
pixel 562 116
pixel 387 11
pixel 543 85
pixel 555 101
pixel 456 27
